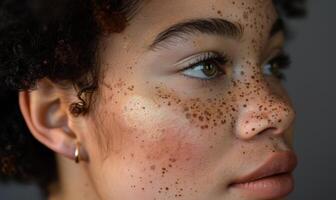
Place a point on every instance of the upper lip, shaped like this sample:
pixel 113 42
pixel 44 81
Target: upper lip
pixel 277 163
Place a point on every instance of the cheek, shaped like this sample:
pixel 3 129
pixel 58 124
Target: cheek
pixel 159 151
pixel 159 140
pixel 165 140
pixel 160 134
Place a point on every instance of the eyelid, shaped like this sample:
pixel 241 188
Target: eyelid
pixel 191 59
pixel 217 58
pixel 275 52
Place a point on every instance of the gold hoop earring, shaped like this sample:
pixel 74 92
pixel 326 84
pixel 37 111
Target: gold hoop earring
pixel 77 154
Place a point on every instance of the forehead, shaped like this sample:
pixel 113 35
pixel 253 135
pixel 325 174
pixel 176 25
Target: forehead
pixel 203 7
pixel 156 15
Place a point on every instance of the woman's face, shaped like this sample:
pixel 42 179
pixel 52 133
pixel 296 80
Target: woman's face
pixel 187 113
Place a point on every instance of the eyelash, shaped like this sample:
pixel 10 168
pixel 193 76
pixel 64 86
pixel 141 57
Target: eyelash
pixel 208 57
pixel 282 60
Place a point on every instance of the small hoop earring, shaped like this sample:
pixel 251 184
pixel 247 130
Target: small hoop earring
pixel 77 154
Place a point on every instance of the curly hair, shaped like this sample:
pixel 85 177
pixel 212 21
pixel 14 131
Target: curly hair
pixel 45 39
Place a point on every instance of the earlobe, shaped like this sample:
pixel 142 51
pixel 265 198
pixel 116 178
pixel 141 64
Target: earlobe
pixel 47 120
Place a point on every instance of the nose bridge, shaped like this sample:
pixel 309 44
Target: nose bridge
pixel 264 110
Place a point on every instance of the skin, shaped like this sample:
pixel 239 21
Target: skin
pixel 154 133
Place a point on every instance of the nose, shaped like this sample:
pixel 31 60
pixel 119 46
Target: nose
pixel 264 112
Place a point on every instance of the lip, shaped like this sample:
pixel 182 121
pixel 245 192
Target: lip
pixel 273 179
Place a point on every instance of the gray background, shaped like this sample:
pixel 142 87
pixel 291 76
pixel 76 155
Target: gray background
pixel 310 82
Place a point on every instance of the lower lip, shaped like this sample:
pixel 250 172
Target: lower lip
pixel 271 187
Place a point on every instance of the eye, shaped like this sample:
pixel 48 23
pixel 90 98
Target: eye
pixel 207 66
pixel 275 66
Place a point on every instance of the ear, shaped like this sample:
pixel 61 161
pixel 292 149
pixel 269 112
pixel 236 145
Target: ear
pixel 45 113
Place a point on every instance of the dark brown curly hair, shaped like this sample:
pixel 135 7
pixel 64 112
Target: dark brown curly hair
pixel 56 39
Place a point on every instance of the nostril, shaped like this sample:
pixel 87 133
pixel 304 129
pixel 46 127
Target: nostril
pixel 254 120
pixel 251 128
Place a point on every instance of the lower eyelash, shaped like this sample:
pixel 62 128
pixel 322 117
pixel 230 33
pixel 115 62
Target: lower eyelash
pixel 205 82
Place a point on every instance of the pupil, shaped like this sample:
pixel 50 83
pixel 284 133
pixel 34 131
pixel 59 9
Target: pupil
pixel 209 70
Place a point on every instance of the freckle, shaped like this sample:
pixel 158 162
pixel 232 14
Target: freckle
pixel 152 167
pixel 245 15
pixel 213 7
pixel 253 129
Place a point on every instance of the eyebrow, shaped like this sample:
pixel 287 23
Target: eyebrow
pixel 211 26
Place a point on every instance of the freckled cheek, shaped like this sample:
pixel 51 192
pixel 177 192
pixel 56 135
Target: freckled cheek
pixel 170 145
pixel 163 135
pixel 176 147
